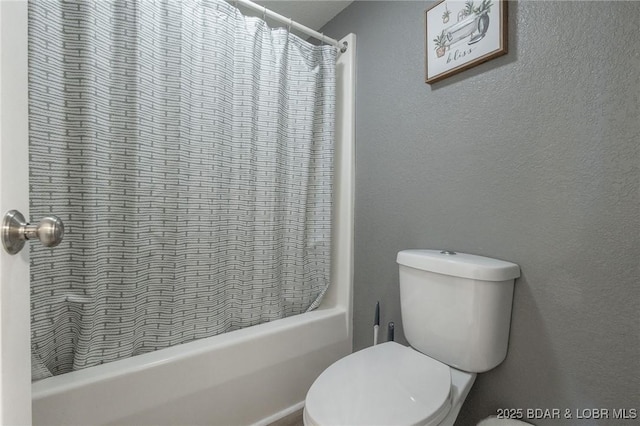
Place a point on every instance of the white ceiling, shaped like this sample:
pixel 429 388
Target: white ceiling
pixel 312 13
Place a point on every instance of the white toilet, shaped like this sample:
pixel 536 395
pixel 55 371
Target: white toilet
pixel 456 312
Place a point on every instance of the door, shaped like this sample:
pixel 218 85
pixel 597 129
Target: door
pixel 15 353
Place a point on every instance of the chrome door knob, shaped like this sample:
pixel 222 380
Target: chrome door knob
pixel 15 231
pixel 49 231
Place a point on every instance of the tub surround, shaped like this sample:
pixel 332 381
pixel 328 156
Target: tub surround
pixel 256 375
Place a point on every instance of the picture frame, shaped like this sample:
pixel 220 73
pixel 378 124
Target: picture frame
pixel 461 34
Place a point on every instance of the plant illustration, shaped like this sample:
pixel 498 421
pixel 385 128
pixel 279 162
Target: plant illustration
pixel 485 7
pixel 445 15
pixel 468 7
pixel 440 42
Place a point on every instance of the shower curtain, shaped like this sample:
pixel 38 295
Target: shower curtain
pixel 189 151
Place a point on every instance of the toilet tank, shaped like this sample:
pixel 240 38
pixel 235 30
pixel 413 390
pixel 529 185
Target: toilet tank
pixel 456 307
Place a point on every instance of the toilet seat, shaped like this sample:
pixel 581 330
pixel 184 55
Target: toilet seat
pixel 381 385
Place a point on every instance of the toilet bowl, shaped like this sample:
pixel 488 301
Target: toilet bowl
pixel 387 384
pixel 456 311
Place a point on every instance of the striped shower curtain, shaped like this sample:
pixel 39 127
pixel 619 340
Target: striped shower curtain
pixel 189 151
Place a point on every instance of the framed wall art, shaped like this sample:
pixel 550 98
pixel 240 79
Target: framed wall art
pixel 462 34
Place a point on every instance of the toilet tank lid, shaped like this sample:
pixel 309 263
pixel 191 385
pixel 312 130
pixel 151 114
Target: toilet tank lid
pixel 459 264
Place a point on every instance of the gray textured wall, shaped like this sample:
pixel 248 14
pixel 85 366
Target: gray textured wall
pixel 533 158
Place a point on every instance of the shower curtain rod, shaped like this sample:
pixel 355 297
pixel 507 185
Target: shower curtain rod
pixel 291 23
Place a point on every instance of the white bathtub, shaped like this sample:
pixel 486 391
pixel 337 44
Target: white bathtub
pixel 252 376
